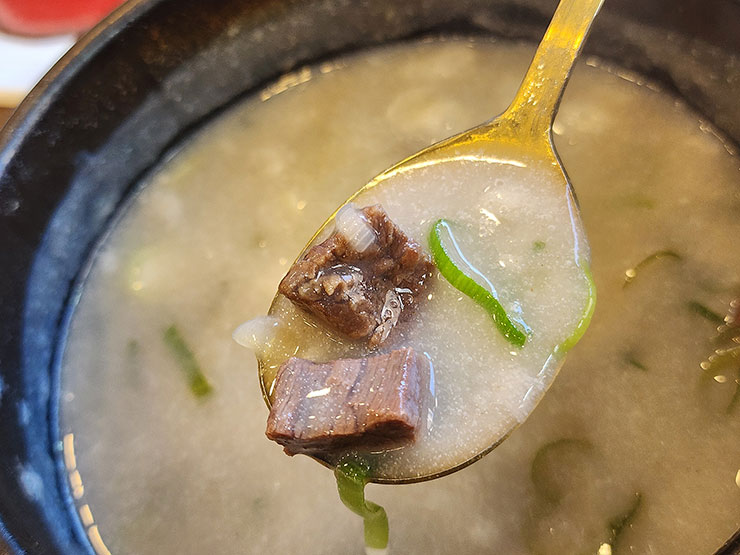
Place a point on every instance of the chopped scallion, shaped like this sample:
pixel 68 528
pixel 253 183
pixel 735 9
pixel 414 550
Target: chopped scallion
pixel 352 477
pixel 467 285
pixel 631 273
pixel 588 313
pixel 547 465
pixel 632 360
pixel 705 312
pixel 186 359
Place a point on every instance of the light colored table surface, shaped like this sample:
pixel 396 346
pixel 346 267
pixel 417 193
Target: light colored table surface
pixel 24 60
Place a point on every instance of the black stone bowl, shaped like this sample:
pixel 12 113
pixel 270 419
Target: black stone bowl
pixel 155 70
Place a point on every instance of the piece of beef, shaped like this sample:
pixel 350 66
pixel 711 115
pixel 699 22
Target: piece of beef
pixel 367 403
pixel 360 294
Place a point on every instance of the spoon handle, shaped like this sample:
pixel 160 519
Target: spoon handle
pixel 537 100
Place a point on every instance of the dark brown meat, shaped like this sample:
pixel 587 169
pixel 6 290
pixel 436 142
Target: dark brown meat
pixel 360 294
pixel 367 403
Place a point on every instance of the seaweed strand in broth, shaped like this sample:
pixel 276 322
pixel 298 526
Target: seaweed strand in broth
pixel 632 416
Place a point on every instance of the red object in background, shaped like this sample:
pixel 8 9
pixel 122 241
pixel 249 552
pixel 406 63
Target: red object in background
pixel 52 17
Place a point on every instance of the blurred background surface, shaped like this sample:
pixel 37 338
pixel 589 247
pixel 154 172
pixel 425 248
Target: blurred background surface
pixel 34 34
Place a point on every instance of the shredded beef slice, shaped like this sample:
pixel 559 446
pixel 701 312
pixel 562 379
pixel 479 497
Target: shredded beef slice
pixel 349 290
pixel 367 403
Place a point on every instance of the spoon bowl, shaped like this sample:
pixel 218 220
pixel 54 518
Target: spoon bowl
pixel 508 171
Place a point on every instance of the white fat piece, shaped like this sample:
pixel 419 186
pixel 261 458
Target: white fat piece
pixel 352 224
pixel 257 334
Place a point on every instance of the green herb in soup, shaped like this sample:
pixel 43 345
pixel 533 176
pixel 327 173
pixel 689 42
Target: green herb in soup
pixel 186 360
pixel 460 280
pixel 632 360
pixel 352 476
pixel 704 312
pixel 588 313
pixel 567 472
pixel 553 461
pixel 631 273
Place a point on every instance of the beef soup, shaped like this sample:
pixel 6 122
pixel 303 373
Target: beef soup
pixel 162 415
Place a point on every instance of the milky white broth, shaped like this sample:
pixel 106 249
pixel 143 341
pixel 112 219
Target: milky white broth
pixel 206 242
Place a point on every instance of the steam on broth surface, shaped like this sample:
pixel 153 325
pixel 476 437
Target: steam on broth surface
pixel 648 438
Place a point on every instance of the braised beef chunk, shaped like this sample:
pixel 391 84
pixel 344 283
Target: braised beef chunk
pixel 360 293
pixel 367 403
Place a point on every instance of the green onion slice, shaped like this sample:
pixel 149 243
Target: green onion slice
pixel 547 466
pixel 352 477
pixel 467 285
pixel 588 313
pixel 705 312
pixel 184 356
pixel 631 273
pixel 633 361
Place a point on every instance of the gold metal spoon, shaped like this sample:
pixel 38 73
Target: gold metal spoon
pixel 521 137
